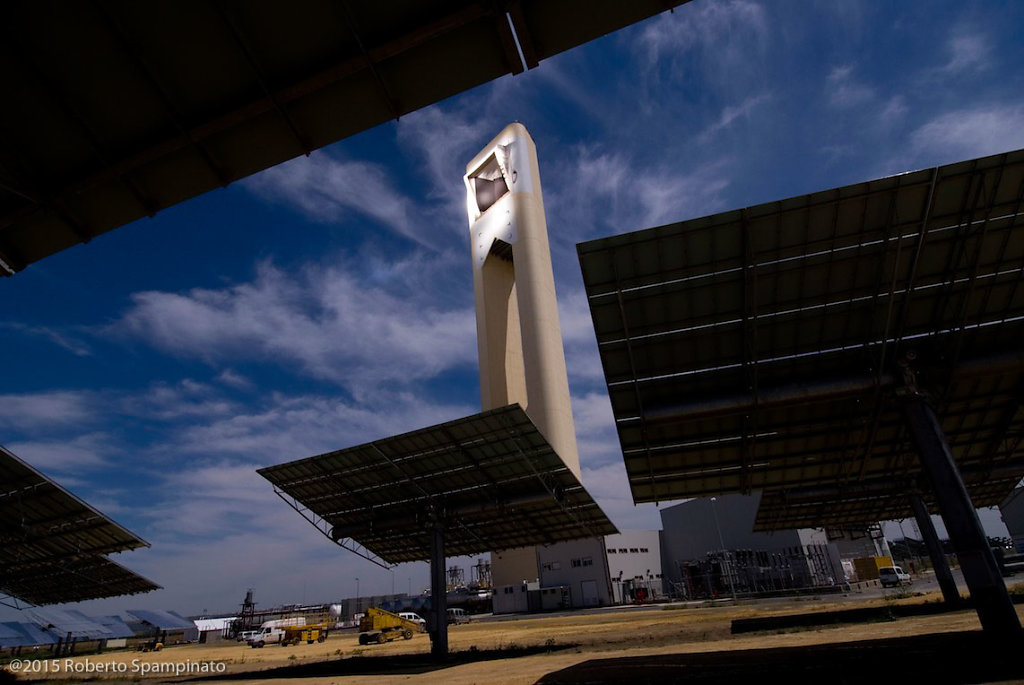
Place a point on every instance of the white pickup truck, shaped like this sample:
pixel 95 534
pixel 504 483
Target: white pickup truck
pixel 272 632
pixel 893 576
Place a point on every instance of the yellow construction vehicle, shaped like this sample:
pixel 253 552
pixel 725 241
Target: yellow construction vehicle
pixel 381 626
pixel 293 635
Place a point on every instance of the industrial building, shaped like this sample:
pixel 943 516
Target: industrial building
pixel 710 549
pixel 634 561
pixel 1012 511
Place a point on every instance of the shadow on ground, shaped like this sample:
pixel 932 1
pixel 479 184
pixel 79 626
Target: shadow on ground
pixel 394 664
pixel 857 615
pixel 963 657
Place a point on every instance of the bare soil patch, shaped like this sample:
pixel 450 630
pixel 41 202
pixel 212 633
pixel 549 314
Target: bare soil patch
pixel 637 641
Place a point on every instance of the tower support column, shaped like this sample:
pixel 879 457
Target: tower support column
pixel 438 592
pixel 988 591
pixel 940 564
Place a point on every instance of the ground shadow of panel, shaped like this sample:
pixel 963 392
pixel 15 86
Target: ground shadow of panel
pixel 962 657
pixel 385 665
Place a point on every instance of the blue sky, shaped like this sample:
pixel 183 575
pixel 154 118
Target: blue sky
pixel 328 301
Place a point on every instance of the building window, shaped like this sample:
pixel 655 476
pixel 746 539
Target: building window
pixel 576 563
pixel 634 550
pixel 611 551
pixel 587 561
pixel 643 550
pixel 622 550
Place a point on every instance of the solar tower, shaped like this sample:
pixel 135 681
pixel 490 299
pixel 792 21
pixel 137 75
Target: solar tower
pixel 518 334
pixel 504 479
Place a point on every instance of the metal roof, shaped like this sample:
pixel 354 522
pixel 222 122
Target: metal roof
pixel 165 620
pixel 48 533
pixel 116 110
pixel 7 633
pixel 26 635
pixel 207 624
pixel 492 476
pixel 63 622
pixel 759 348
pixel 116 626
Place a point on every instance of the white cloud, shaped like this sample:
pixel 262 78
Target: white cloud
pixel 844 90
pixel 235 380
pixel 715 25
pixel 330 190
pixel 445 141
pixel 969 132
pixel 47 410
pixel 895 111
pixel 66 456
pixel 186 399
pixel 60 338
pixel 292 427
pixel 609 485
pixel 330 324
pixel 730 113
pixel 604 192
pixel 595 430
pixel 968 53
pixel 718 43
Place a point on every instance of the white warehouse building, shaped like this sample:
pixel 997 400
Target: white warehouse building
pixel 634 562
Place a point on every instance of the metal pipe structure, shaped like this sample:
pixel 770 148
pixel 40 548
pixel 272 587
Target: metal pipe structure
pixel 988 591
pixel 940 563
pixel 721 542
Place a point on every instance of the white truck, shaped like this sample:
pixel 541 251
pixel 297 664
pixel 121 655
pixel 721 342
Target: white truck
pixel 272 632
pixel 893 576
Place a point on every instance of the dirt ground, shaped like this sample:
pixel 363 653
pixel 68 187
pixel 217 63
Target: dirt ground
pixel 507 651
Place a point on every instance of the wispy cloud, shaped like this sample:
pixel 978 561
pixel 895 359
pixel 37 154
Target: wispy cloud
pixel 969 132
pixel 68 455
pixel 294 426
pixel 444 140
pixel 731 113
pixel 968 53
pixel 844 90
pixel 69 340
pixel 232 379
pixel 186 399
pixel 330 324
pixel 717 42
pixel 46 411
pixel 328 189
pixel 610 486
pixel 608 192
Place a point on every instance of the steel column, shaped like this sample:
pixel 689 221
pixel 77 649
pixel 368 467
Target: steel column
pixel 940 563
pixel 438 593
pixel 991 600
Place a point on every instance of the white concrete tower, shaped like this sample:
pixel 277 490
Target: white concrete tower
pixel 518 334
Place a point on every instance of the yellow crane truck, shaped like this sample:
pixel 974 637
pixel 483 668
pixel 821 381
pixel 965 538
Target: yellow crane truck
pixel 381 626
pixel 293 635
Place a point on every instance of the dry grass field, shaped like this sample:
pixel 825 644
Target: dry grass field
pixel 510 651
